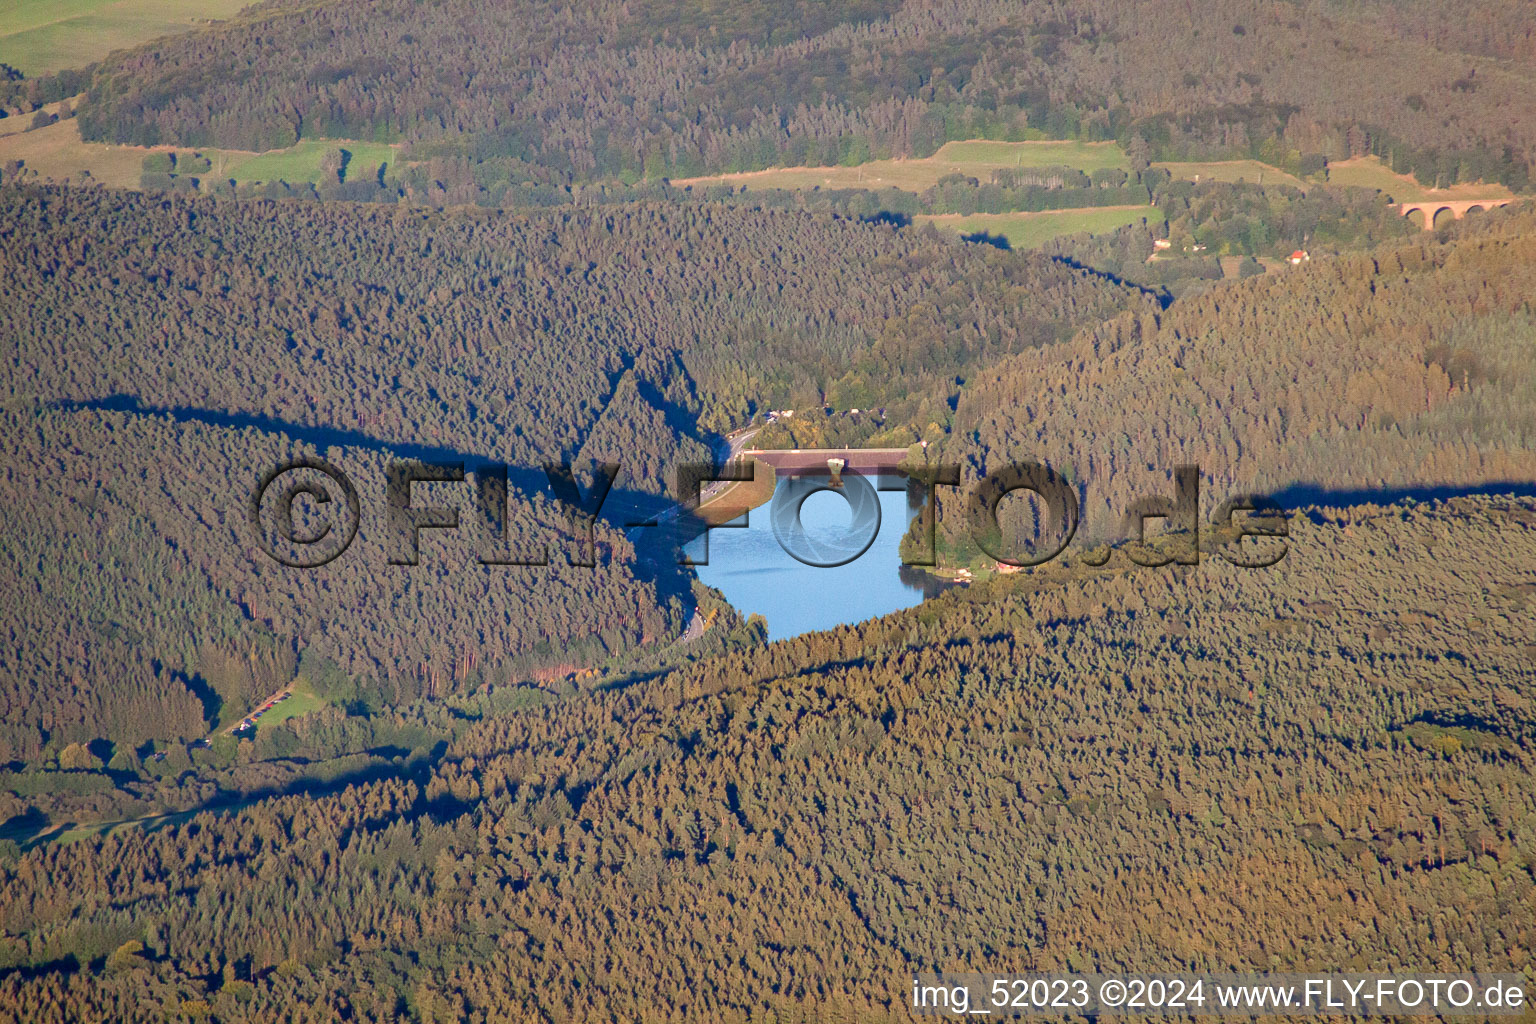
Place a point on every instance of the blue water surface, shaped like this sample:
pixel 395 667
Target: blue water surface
pixel 759 577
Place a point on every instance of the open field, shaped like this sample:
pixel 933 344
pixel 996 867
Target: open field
pixel 1027 230
pixel 301 701
pixel 984 155
pixel 1253 172
pixel 1370 172
pixel 302 162
pixel 23 122
pixel 977 158
pixel 58 152
pixel 39 37
pixel 71 833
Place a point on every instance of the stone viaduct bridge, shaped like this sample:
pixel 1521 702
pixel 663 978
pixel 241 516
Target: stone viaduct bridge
pixel 1459 208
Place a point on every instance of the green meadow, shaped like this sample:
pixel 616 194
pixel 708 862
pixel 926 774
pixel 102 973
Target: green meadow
pixel 1253 172
pixel 977 159
pixel 1028 230
pixel 40 37
pixel 301 162
pixel 301 701
pixel 1370 172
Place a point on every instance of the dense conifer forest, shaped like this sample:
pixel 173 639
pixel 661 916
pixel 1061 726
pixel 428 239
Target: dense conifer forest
pixel 561 92
pixel 1408 367
pixel 165 353
pixel 1204 769
pixel 755 821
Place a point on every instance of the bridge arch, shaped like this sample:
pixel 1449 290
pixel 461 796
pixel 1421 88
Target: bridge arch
pixel 1428 214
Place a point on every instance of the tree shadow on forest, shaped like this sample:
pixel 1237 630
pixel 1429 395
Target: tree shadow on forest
pixel 34 828
pixel 988 238
pixel 213 704
pixel 1161 295
pixel 21 827
pixel 627 510
pixel 1301 495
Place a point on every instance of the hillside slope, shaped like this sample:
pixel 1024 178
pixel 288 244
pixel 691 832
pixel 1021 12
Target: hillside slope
pixel 1205 770
pixel 163 354
pixel 513 90
pixel 1403 369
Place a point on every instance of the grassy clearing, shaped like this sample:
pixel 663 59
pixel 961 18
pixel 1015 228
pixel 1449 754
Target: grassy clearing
pixel 57 152
pixel 1251 171
pixel 40 37
pixel 977 159
pixel 23 122
pixel 301 701
pixel 301 162
pixel 1370 172
pixel 74 833
pixel 1028 230
pixel 1085 156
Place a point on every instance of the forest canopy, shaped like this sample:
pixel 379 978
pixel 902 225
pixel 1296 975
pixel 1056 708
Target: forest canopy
pixel 518 90
pixel 165 353
pixel 508 758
